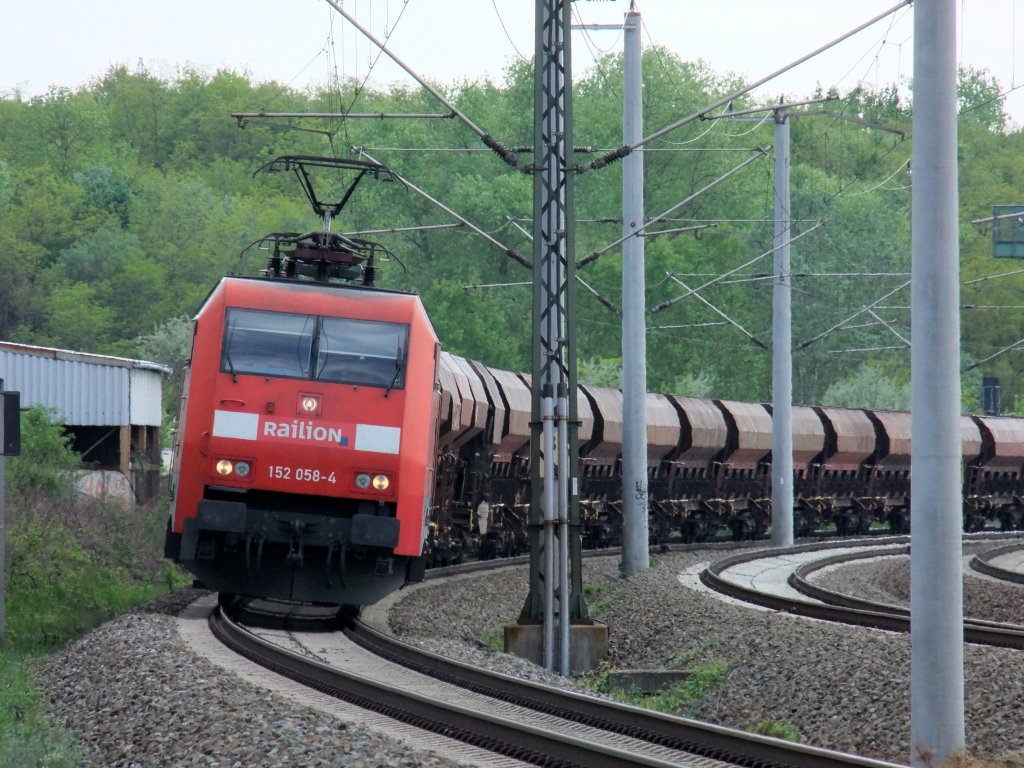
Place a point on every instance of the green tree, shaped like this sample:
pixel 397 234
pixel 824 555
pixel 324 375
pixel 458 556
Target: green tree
pixel 72 318
pixel 869 387
pixel 72 129
pixel 980 99
pixel 169 343
pixel 137 104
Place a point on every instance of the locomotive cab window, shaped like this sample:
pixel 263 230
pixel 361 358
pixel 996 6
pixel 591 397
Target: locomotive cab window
pixel 361 352
pixel 268 343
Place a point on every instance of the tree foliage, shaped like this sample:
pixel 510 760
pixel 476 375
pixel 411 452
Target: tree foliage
pixel 123 202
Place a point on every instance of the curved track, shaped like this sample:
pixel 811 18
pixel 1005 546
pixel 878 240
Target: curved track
pixel 833 606
pixel 533 723
pixel 986 563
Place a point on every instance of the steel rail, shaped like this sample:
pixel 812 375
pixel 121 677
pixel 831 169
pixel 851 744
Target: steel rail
pixel 981 563
pixel 845 609
pixel 701 739
pixel 520 741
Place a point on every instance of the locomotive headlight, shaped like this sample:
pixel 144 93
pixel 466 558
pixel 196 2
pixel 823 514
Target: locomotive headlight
pixel 309 405
pixel 365 481
pixel 225 467
pixel 242 468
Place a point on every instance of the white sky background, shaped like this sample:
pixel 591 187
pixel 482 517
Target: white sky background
pixel 298 42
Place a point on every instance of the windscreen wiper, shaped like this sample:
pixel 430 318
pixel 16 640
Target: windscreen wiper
pixel 398 370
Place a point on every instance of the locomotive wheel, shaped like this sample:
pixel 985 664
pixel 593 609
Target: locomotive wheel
pixel 227 600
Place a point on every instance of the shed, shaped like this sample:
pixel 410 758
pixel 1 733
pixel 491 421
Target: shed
pixel 111 406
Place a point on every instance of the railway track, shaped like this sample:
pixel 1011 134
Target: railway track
pixel 834 606
pixel 986 563
pixel 523 723
pixel 528 722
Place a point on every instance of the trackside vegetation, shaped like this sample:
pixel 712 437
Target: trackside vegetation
pixel 124 200
pixel 72 563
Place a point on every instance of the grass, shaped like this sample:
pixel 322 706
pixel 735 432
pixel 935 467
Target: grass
pixel 600 597
pixel 785 730
pixel 677 699
pixel 72 565
pixel 26 737
pixel 495 640
pixel 706 675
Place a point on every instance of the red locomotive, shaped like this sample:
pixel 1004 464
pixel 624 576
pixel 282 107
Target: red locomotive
pixel 304 465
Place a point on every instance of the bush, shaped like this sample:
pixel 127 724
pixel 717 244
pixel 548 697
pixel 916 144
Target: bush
pixel 676 699
pixel 46 460
pixel 72 563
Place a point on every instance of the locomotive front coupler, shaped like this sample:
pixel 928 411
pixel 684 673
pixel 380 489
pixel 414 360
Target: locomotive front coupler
pixel 259 539
pixel 295 546
pixel 342 546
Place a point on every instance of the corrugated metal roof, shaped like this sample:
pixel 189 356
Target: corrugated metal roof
pixel 84 389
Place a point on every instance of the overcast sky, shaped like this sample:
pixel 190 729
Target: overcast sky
pixel 298 42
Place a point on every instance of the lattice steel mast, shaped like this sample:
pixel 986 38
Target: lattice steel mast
pixel 555 557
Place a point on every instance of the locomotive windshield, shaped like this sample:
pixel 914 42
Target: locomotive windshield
pixel 364 352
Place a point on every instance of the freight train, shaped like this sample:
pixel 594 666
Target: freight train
pixel 328 450
pixel 709 467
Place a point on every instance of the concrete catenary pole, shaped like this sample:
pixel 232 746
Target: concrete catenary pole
pixel 782 347
pixel 634 339
pixel 936 596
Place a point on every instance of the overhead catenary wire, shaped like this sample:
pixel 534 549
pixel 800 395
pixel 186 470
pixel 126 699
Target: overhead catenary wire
pixel 510 252
pixel 858 313
pixel 765 277
pixel 485 286
pixel 501 21
pixel 888 325
pixel 389 30
pixel 395 230
pixel 1016 345
pixel 486 138
pixel 652 150
pixel 683 326
pixel 639 230
pixel 672 302
pixel 483 150
pixel 862 349
pixel 626 149
pixel 720 313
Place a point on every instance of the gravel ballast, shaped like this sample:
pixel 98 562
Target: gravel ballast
pixel 134 694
